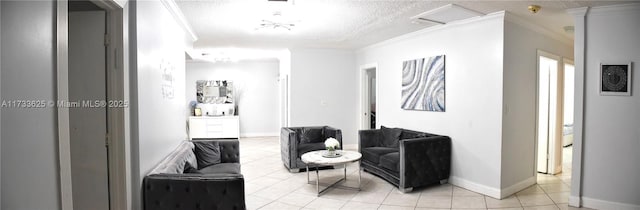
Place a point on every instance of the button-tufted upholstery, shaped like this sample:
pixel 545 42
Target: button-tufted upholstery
pixel 421 159
pixel 292 146
pixel 219 186
pixel 193 192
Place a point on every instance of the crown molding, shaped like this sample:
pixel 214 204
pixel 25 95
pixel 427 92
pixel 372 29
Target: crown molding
pixel 495 15
pixel 537 28
pixel 179 17
pixel 614 8
pixel 578 12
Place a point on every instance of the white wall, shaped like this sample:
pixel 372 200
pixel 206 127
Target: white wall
pixel 29 143
pixel 256 86
pixel 522 40
pixel 323 90
pixel 474 63
pixel 611 136
pixel 159 122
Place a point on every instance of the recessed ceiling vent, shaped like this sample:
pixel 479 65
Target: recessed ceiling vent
pixel 445 14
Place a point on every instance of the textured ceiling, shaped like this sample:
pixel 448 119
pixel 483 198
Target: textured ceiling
pixel 343 23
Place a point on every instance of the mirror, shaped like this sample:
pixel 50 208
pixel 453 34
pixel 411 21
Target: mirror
pixel 214 91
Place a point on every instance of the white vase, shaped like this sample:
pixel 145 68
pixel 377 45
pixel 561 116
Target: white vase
pixel 331 152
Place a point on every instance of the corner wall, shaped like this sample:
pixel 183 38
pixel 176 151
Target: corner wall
pixel 611 135
pixel 473 52
pixel 256 92
pixel 521 42
pixel 323 91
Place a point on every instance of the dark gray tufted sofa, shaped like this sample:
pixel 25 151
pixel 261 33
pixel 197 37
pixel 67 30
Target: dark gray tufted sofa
pixel 220 186
pixel 419 159
pixel 292 146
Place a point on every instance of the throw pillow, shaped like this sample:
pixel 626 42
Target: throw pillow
pixel 390 136
pixel 189 169
pixel 207 153
pixel 312 135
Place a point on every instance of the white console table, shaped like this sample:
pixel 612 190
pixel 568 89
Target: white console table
pixel 214 127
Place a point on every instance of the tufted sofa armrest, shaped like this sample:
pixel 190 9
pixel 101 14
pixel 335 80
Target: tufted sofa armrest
pixel 193 191
pixel 368 138
pixel 288 146
pixel 424 160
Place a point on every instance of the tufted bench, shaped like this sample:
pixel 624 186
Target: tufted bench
pixel 218 186
pixel 405 158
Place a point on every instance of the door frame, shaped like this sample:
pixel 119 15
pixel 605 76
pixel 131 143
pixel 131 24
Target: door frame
pixel 118 134
pixel 364 95
pixel 559 98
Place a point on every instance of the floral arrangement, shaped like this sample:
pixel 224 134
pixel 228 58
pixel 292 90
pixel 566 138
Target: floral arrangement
pixel 331 144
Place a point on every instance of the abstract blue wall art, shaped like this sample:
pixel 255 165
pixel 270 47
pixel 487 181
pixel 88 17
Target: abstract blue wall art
pixel 423 84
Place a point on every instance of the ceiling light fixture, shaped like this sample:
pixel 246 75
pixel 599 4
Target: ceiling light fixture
pixel 534 8
pixel 276 23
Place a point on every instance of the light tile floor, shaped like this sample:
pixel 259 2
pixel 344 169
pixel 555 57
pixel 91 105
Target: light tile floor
pixel 268 185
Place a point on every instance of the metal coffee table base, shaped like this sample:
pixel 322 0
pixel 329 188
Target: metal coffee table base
pixel 335 183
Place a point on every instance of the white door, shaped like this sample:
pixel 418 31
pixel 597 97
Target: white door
pixel 549 128
pixel 88 124
pixel 368 97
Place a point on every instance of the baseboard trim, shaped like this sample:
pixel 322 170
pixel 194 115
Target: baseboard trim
pixel 505 192
pixel 602 204
pixel 574 201
pixel 258 134
pixel 469 185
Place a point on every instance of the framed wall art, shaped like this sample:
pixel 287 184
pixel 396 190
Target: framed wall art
pixel 423 84
pixel 615 79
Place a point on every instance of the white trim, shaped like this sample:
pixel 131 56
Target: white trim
pixel 602 204
pixel 537 28
pixel 574 201
pixel 554 151
pixel 579 15
pixel 179 17
pixel 603 10
pixel 505 192
pixel 495 15
pixel 479 188
pixel 267 134
pixel 62 94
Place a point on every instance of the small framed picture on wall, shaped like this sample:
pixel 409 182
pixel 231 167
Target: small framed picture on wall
pixel 615 79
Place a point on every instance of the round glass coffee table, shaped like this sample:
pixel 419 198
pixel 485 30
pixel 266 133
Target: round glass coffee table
pixel 319 158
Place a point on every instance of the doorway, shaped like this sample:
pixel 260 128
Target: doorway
pixel 554 114
pixel 116 69
pixel 88 117
pixel 369 96
pixel 284 101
